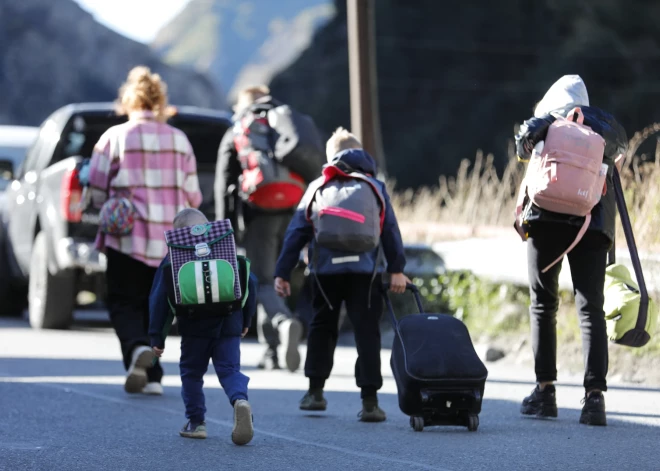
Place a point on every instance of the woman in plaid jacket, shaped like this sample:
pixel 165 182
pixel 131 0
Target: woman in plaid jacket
pixel 153 165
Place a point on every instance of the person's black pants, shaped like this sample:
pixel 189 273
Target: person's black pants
pixel 354 290
pixel 129 284
pixel 587 261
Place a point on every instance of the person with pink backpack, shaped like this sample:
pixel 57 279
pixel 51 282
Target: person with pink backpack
pixel 566 207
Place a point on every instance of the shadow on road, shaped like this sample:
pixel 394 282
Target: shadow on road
pixel 287 438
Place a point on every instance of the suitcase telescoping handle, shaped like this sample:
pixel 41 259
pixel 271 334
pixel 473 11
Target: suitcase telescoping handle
pixel 632 248
pixel 388 302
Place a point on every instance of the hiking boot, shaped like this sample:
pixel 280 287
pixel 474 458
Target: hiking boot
pixel 371 412
pixel 290 332
pixel 593 412
pixel 191 430
pixel 269 361
pixel 243 429
pixel 541 404
pixel 136 377
pixel 313 400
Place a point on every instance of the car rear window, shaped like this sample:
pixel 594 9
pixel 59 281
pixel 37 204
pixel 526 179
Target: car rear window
pixel 84 130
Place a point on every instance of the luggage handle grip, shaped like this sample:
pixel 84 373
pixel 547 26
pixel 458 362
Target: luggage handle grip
pixel 388 302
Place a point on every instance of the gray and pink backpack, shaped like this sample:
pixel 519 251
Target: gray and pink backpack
pixel 347 211
pixel 568 176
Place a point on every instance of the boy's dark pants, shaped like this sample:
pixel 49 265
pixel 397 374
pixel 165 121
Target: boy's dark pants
pixel 226 355
pixel 587 263
pixel 353 289
pixel 129 285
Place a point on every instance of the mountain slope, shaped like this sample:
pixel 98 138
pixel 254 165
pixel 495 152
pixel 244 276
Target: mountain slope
pixel 245 40
pixel 455 77
pixel 53 53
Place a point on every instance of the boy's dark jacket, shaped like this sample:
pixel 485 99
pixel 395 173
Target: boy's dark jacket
pixel 160 314
pixel 300 232
pixel 534 130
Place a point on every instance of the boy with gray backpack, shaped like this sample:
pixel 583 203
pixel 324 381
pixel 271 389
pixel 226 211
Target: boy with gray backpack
pixel 213 295
pixel 347 219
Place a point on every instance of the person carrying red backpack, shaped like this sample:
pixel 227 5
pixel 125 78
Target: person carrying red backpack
pixel 265 163
pixel 561 140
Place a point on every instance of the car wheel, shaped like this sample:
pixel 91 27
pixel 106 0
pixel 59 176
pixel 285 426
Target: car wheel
pixel 51 298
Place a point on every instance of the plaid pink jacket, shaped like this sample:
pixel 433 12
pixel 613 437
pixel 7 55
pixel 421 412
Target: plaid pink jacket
pixel 156 163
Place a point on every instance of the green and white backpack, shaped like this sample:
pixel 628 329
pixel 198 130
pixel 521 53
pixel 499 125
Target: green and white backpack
pixel 208 278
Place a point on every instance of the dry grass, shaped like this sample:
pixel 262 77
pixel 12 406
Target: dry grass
pixel 477 196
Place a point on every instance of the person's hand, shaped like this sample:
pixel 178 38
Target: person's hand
pixel 398 283
pixel 244 333
pixel 282 287
pixel 158 351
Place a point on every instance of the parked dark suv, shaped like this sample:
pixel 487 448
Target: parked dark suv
pixel 50 244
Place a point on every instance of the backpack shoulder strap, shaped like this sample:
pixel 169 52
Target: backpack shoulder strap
pixel 244 277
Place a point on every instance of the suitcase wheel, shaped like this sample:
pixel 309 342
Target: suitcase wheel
pixel 473 423
pixel 417 423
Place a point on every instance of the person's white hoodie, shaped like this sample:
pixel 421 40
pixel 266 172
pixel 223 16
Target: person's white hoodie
pixel 569 90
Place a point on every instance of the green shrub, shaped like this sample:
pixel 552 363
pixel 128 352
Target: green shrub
pixel 476 302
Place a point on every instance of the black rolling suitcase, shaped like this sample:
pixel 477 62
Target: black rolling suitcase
pixel 439 376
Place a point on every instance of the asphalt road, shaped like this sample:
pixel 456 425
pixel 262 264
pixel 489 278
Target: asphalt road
pixel 62 407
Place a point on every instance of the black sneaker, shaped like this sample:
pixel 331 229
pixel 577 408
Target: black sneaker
pixel 540 403
pixel 371 412
pixel 593 412
pixel 314 401
pixel 269 361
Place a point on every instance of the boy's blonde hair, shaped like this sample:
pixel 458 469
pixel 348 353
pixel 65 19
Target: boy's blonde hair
pixel 341 140
pixel 249 95
pixel 189 217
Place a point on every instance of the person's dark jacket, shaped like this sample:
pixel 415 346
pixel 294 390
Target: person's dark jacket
pixel 300 233
pixel 161 314
pixel 534 130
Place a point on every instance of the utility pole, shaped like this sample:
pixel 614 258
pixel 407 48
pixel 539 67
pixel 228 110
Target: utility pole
pixel 365 121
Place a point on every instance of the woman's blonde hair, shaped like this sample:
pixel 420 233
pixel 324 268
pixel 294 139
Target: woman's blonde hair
pixel 143 91
pixel 249 95
pixel 341 140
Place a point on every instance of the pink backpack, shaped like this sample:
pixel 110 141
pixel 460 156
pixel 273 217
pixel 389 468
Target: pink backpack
pixel 568 175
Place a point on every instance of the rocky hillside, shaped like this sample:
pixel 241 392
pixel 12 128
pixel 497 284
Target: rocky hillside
pixel 53 53
pixel 455 77
pixel 241 42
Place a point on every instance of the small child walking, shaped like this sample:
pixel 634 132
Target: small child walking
pixel 203 339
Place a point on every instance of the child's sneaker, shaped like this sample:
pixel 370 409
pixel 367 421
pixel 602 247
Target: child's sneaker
pixel 593 412
pixel 541 403
pixel 136 377
pixel 313 400
pixel 371 412
pixel 191 430
pixel 243 428
pixel 153 389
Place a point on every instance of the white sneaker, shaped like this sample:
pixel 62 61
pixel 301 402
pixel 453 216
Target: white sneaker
pixel 243 429
pixel 153 389
pixel 136 378
pixel 290 332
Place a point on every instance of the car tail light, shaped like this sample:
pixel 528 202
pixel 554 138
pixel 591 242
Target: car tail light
pixel 71 196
